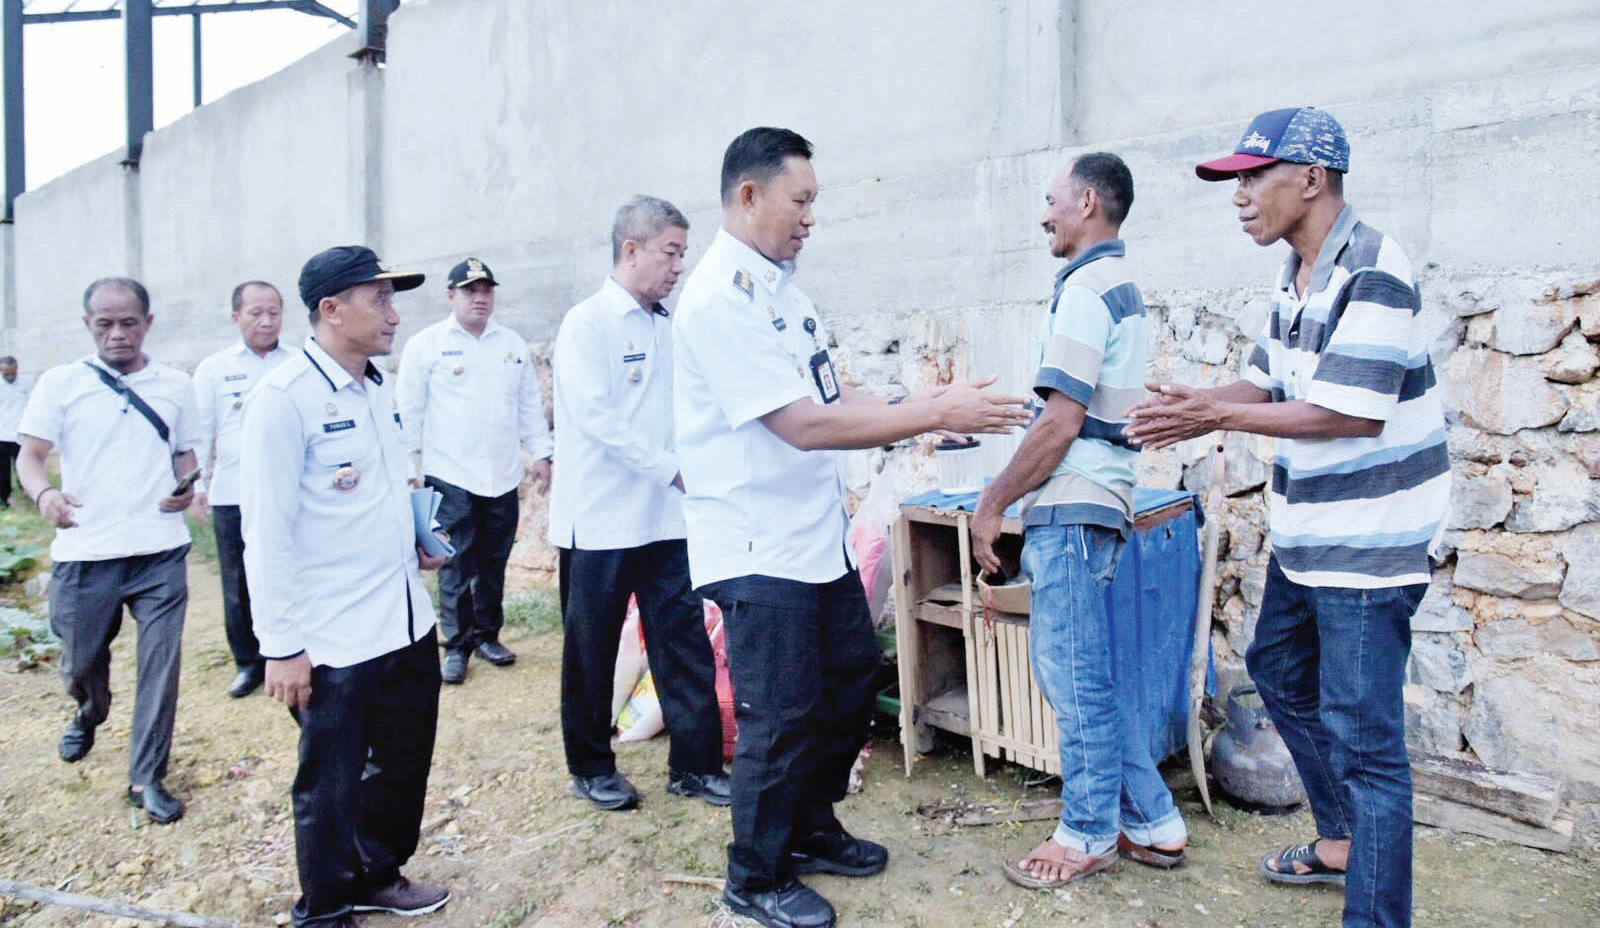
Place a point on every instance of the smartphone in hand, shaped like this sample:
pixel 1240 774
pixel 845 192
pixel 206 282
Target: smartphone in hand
pixel 185 482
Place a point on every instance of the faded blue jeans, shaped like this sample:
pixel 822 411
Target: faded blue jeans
pixel 1109 781
pixel 1329 663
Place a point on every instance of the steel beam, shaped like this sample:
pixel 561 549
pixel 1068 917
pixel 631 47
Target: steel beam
pixel 198 96
pixel 309 7
pixel 140 58
pixel 16 151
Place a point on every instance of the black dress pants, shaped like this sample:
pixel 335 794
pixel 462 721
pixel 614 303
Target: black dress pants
pixel 802 658
pixel 235 592
pixel 594 603
pixel 366 746
pixel 472 584
pixel 8 463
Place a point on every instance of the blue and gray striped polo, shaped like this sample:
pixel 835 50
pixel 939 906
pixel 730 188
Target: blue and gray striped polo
pixel 1357 512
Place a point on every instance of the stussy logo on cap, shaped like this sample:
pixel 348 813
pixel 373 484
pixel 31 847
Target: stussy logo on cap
pixel 1256 140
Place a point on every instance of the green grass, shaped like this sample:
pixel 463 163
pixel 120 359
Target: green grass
pixel 537 609
pixel 202 540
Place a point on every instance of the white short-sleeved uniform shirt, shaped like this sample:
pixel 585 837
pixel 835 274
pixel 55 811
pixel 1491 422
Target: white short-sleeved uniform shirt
pixel 329 544
pixel 221 382
pixel 746 341
pixel 472 404
pixel 13 399
pixel 112 459
pixel 612 486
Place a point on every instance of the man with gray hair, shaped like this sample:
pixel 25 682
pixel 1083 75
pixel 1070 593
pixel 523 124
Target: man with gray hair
pixel 616 515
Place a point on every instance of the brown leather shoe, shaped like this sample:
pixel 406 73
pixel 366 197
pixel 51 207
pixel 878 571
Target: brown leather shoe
pixel 403 897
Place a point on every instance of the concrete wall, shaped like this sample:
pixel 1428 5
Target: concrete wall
pixel 511 130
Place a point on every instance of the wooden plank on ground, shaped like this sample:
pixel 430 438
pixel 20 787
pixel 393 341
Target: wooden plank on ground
pixel 1525 797
pixel 1442 813
pixel 992 813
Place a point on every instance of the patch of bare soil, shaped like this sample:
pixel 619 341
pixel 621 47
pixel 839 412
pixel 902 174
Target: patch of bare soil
pixel 517 849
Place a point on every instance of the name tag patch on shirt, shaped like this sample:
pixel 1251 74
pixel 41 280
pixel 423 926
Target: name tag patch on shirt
pixel 232 377
pixel 777 320
pixel 822 373
pixel 341 425
pixel 452 354
pixel 631 358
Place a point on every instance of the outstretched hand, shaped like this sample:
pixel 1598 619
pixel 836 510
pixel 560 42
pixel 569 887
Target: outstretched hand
pixel 1172 413
pixel 969 408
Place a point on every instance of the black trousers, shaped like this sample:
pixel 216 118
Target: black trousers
pixel 235 592
pixel 594 603
pixel 8 463
pixel 802 658
pixel 473 583
pixel 366 746
pixel 86 600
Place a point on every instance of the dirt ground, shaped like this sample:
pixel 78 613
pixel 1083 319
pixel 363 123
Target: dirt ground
pixel 517 849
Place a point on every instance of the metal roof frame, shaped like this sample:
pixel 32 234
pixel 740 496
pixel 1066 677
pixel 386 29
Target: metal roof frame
pixel 137 15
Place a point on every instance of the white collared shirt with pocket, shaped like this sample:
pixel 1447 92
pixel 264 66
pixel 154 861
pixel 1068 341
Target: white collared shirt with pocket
pixel 328 540
pixel 221 383
pixel 744 339
pixel 112 459
pixel 614 462
pixel 472 404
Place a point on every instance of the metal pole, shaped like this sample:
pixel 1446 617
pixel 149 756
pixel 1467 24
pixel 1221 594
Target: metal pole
pixel 140 70
pixel 197 68
pixel 16 173
pixel 374 29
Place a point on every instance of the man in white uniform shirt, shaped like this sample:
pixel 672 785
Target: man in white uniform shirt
pixel 344 620
pixel 221 383
pixel 616 515
pixel 13 397
pixel 125 428
pixel 470 397
pixel 759 412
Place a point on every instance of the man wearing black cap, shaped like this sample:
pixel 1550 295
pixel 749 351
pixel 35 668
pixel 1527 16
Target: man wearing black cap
pixel 344 622
pixel 470 396
pixel 1342 378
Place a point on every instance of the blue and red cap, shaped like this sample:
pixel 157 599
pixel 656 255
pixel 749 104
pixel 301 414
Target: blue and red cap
pixel 1300 134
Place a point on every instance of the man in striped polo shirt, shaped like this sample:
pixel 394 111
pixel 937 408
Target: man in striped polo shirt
pixel 1074 474
pixel 1360 487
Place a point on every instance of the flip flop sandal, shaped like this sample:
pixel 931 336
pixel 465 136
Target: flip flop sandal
pixel 1149 854
pixel 1027 880
pixel 1305 855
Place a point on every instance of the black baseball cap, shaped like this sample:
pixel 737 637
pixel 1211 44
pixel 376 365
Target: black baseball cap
pixel 338 269
pixel 471 271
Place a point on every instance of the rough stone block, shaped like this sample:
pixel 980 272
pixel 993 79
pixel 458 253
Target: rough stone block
pixel 1539 716
pixel 1433 721
pixel 1208 345
pixel 1580 591
pixel 1502 393
pixel 1438 612
pixel 1574 361
pixel 1533 328
pixel 1249 465
pixel 1439 663
pixel 1562 640
pixel 1479 502
pixel 1510 640
pixel 1583 412
pixel 1499 575
pixel 1563 496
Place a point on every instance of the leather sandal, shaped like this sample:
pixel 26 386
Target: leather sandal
pixel 1283 866
pixel 1078 865
pixel 1149 854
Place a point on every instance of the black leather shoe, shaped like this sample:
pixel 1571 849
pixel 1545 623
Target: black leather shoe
pixel 836 852
pixel 455 667
pixel 162 807
pixel 610 792
pixel 712 787
pixel 76 740
pixel 496 653
pixel 247 681
pixel 403 897
pixel 791 904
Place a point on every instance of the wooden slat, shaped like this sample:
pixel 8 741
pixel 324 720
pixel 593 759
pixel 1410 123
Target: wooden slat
pixel 1525 797
pixel 908 645
pixel 1442 813
pixel 964 559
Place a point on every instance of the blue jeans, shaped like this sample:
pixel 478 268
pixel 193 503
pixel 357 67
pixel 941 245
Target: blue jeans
pixel 1329 663
pixel 1109 781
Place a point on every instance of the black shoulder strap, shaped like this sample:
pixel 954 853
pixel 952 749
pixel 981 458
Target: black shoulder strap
pixel 134 399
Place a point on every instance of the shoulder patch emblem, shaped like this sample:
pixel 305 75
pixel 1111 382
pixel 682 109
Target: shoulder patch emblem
pixel 744 283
